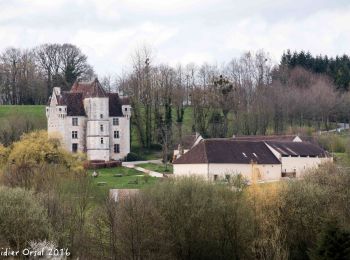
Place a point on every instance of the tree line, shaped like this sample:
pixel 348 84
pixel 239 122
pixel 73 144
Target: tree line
pixel 246 96
pixel 249 95
pixel 27 76
pixel 338 68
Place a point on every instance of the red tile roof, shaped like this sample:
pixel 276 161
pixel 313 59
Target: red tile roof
pixel 89 89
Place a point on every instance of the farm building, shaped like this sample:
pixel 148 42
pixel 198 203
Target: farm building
pixel 253 159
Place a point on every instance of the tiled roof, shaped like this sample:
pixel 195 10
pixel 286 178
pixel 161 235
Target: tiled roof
pixel 74 103
pixel 228 151
pixel 89 89
pixel 297 148
pixel 74 99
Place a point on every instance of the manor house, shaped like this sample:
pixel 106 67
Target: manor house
pixel 90 120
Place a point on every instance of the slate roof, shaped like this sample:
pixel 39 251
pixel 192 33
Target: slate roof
pixel 298 149
pixel 74 103
pixel 228 151
pixel 74 99
pixel 115 105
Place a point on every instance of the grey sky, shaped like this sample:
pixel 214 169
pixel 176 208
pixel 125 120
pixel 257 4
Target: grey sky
pixel 108 31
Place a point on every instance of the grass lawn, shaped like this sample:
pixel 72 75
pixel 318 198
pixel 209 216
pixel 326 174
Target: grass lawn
pixel 156 167
pixel 37 111
pixel 342 159
pixel 131 179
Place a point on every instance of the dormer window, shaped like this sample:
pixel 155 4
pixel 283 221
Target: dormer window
pixel 60 109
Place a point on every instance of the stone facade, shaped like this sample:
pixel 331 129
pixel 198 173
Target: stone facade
pixel 89 120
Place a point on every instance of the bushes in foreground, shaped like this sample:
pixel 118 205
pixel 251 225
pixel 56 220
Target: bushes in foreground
pixel 193 219
pixel 22 218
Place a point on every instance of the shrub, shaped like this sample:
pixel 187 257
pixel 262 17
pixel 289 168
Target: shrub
pixel 4 152
pixel 332 143
pixel 33 153
pixel 22 217
pixel 131 157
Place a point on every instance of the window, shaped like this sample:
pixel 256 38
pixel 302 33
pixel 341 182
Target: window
pixel 101 140
pixel 101 116
pixel 74 148
pixel 75 121
pixel 116 134
pixel 116 148
pixel 126 109
pixel 60 109
pixel 74 134
pixel 215 177
pixel 115 121
pixel 101 128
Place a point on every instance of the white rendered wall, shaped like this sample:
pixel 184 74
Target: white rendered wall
pixel 299 164
pixel 97 110
pixel 124 137
pixel 191 170
pixel 267 171
pixel 302 164
pixel 80 128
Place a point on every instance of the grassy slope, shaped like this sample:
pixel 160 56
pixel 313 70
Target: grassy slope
pixel 128 175
pixel 156 167
pixel 36 111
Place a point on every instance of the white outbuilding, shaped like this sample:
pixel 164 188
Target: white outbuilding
pixel 217 159
pixel 254 159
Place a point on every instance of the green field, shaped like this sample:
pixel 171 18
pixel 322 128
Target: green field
pixel 37 111
pixel 157 167
pixel 130 178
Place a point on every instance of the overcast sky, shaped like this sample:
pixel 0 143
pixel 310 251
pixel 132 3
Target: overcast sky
pixel 108 31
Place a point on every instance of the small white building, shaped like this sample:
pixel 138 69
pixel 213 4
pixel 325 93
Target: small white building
pixel 88 119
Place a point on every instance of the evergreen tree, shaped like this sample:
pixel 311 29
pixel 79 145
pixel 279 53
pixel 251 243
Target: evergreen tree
pixel 333 243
